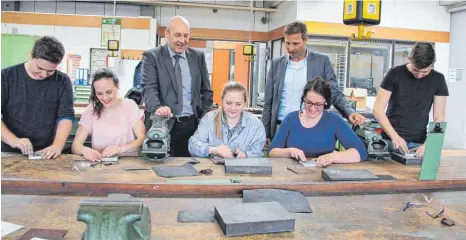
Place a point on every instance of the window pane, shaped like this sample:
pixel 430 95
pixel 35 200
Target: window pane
pixel 276 47
pixel 402 52
pixel 336 51
pixel 369 62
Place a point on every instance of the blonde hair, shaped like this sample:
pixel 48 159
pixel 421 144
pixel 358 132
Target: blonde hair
pixel 228 87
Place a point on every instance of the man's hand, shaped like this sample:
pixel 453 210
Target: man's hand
pixel 420 151
pixel 164 112
pixel 324 160
pixel 400 144
pixel 297 154
pixel 223 151
pixel 240 154
pixel 267 142
pixel 112 150
pixel 24 145
pixel 356 118
pixel 91 154
pixel 51 152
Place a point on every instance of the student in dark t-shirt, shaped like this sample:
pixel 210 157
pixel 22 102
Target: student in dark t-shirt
pixel 409 91
pixel 37 102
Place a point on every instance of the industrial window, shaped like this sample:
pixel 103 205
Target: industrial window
pixel 336 50
pixel 369 62
pixel 401 53
pixel 276 48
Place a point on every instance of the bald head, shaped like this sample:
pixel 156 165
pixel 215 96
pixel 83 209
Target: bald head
pixel 177 34
pixel 177 20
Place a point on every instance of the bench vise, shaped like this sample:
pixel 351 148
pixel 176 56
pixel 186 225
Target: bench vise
pixel 377 147
pixel 156 146
pixel 117 217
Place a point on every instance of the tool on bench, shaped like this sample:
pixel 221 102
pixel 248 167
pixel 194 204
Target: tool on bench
pixel 156 146
pixel 235 180
pixel 377 147
pixel 217 160
pixel 119 216
pixel 206 171
pixel 137 169
pixel 35 156
pixel 408 158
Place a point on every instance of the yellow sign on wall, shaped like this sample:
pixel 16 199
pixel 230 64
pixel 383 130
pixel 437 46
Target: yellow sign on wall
pixel 371 10
pixel 350 10
pixel 362 12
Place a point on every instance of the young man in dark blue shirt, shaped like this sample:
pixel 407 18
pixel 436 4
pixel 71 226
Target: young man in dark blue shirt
pixel 37 102
pixel 410 91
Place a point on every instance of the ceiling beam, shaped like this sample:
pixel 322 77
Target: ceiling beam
pixel 189 4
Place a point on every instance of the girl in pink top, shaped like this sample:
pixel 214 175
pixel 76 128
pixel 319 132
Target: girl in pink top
pixel 115 124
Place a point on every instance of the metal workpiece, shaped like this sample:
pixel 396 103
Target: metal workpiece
pixel 253 218
pixel 156 146
pixel 406 158
pixel 119 216
pixel 250 166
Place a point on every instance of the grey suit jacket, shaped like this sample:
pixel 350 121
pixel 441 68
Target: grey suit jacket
pixel 160 86
pixel 318 65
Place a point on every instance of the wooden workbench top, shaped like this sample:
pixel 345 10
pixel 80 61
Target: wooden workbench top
pixel 21 175
pixel 334 217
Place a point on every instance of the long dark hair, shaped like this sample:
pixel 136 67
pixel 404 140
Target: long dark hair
pixel 98 75
pixel 320 86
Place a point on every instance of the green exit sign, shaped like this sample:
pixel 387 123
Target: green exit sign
pixel 115 21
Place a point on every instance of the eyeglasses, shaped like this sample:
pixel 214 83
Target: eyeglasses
pixel 422 200
pixel 318 106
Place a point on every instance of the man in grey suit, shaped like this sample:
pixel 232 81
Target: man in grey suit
pixel 289 74
pixel 176 84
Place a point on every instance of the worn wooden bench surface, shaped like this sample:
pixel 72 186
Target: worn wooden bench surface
pixel 58 176
pixel 335 217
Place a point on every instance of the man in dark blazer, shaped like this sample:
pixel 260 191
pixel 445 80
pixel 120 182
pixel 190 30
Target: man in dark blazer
pixel 289 74
pixel 176 84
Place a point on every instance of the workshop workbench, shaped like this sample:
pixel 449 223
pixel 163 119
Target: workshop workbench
pixel 21 176
pixel 46 194
pixel 334 217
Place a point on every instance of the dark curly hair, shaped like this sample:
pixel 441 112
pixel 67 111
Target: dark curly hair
pixel 320 86
pixel 48 48
pixel 98 75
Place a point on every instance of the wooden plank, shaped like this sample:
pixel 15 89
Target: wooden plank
pixel 276 33
pixel 71 20
pixel 335 217
pixel 135 23
pixel 342 30
pixel 131 54
pixel 195 43
pixel 57 176
pixel 222 34
pixel 51 19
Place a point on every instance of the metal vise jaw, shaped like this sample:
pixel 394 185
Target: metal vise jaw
pixel 156 146
pixel 117 217
pixel 376 147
